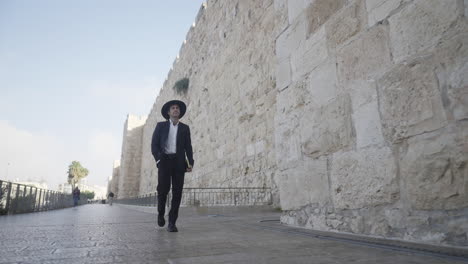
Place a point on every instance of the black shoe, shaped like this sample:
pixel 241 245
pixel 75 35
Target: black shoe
pixel 161 221
pixel 172 228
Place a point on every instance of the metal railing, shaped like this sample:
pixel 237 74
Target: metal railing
pixel 19 198
pixel 246 196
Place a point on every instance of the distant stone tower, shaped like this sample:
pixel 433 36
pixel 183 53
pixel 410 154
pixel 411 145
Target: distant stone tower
pixel 130 161
pixel 113 184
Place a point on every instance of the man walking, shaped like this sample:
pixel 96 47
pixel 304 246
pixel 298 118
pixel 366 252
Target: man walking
pixel 76 196
pixel 170 144
pixel 110 197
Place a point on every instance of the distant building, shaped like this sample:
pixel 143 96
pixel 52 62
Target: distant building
pixel 41 185
pixel 99 191
pixel 65 188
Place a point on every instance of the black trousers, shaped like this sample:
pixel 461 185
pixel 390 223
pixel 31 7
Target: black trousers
pixel 168 174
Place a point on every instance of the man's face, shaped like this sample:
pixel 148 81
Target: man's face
pixel 174 111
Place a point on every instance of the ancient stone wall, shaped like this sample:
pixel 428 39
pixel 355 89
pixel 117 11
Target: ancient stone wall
pixel 113 184
pixel 229 59
pixel 371 118
pixel 354 112
pixel 130 161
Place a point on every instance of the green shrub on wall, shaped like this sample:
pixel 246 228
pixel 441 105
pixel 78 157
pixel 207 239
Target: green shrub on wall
pixel 181 86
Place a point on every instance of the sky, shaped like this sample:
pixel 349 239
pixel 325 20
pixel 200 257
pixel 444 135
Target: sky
pixel 71 72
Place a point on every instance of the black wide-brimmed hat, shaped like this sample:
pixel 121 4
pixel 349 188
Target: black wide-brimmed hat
pixel 167 105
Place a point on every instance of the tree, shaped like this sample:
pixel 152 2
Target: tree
pixel 76 172
pixel 88 194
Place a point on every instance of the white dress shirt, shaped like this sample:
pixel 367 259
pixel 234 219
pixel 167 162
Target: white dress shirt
pixel 171 143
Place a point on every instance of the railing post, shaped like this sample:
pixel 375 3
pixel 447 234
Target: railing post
pixel 8 202
pixel 51 200
pixel 21 206
pixel 1 190
pixel 30 205
pixel 39 205
pixel 47 199
pixel 1 193
pixel 54 200
pixel 15 204
pixel 44 201
pixel 35 199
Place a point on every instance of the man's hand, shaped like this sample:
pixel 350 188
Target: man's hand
pixel 189 166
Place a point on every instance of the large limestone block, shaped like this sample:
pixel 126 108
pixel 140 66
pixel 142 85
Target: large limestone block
pixel 380 9
pixel 290 100
pixel 347 23
pixel 320 11
pixel 368 127
pixel 372 4
pixel 434 169
pixel 287 146
pixel 466 8
pixel 295 8
pixel 410 101
pixel 451 68
pixel 365 57
pixel 309 54
pixel 364 178
pixel 304 184
pixel 290 103
pixel 366 117
pixel 322 84
pixel 283 74
pixel 327 129
pixel 281 16
pixel 420 25
pixel 290 39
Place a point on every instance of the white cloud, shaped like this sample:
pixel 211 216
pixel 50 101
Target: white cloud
pixel 30 156
pixel 104 145
pixel 37 156
pixel 103 148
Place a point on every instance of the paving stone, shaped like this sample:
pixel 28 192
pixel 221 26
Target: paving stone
pixel 116 234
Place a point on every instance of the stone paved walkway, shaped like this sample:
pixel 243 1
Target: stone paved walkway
pixel 115 234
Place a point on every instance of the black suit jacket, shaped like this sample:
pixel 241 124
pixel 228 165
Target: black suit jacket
pixel 183 146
